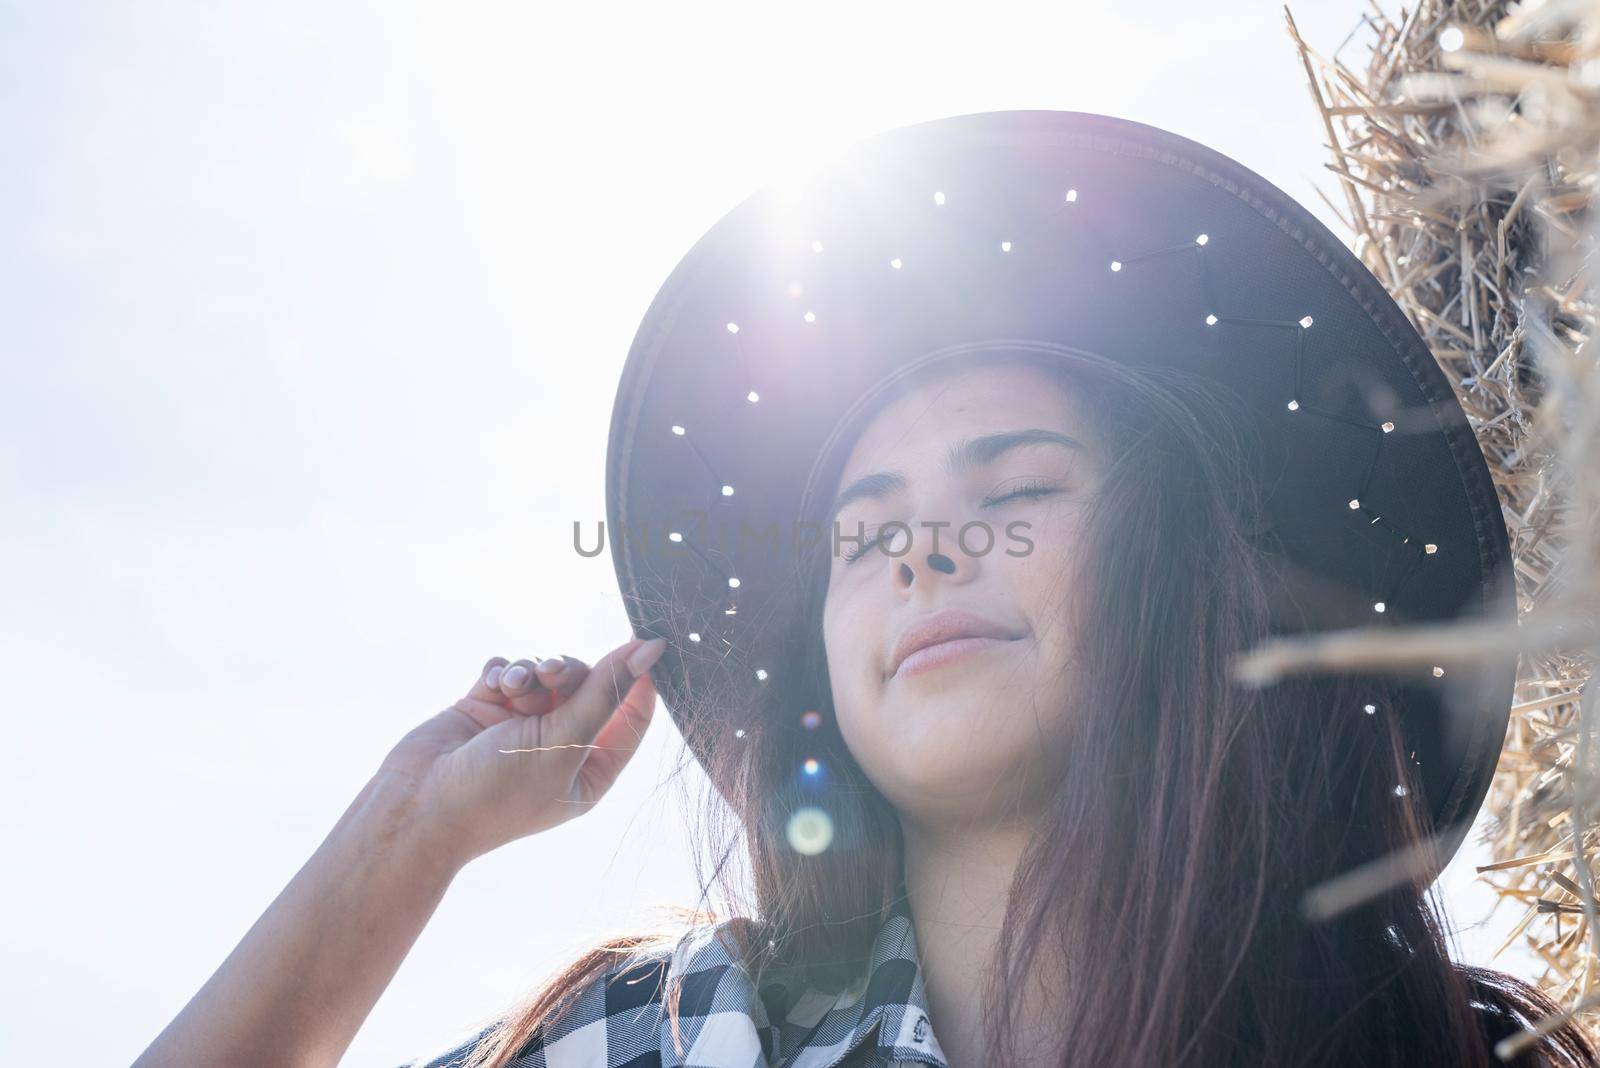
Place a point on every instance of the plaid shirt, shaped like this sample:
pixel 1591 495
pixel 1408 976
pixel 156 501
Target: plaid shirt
pixel 725 1022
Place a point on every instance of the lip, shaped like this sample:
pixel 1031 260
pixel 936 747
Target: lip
pixel 945 635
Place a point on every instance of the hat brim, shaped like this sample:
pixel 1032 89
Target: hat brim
pixel 1379 491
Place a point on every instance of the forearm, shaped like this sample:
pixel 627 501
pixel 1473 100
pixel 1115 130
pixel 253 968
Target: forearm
pixel 303 979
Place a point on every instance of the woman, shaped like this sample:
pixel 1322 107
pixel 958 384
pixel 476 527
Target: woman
pixel 1005 798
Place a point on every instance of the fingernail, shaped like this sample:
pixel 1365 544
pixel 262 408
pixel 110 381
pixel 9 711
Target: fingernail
pixel 491 677
pixel 515 676
pixel 645 655
pixel 551 666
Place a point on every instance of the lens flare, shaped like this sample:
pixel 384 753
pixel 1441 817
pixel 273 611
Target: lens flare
pixel 810 831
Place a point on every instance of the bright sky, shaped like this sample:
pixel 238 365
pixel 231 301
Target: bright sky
pixel 311 316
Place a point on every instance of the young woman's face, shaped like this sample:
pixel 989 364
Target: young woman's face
pixel 976 727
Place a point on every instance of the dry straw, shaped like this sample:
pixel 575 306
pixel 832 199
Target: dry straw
pixel 1465 148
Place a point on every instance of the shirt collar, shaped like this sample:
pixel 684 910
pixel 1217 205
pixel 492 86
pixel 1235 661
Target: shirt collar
pixel 725 1022
pixel 818 1028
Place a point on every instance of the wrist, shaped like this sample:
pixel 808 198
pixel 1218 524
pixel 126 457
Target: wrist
pixel 391 810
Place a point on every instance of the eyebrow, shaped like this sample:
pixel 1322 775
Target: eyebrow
pixel 962 457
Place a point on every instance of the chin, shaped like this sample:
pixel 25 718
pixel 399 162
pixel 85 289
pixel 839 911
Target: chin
pixel 951 726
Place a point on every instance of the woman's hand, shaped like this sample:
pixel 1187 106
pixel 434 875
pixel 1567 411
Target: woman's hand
pixel 523 751
pixel 530 746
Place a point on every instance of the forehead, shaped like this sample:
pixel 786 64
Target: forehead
pixel 955 405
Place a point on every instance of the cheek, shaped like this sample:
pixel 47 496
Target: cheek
pixel 1047 586
pixel 842 636
pixel 851 643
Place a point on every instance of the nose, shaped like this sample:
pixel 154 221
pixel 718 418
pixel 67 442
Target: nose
pixel 935 557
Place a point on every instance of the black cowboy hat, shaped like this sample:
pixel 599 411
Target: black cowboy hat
pixel 1025 232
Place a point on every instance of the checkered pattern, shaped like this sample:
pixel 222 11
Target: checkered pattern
pixel 881 1020
pixel 619 1020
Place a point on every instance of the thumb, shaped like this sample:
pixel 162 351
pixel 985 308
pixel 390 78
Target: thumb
pixel 618 740
pixel 578 719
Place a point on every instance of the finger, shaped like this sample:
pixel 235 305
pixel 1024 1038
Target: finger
pixel 582 715
pixel 484 713
pixel 525 694
pixel 487 686
pixel 619 739
pixel 562 675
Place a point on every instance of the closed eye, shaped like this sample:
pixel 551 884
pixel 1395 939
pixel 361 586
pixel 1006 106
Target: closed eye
pixel 1028 490
pixel 852 555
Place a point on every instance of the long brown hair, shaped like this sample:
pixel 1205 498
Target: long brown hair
pixel 1204 809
